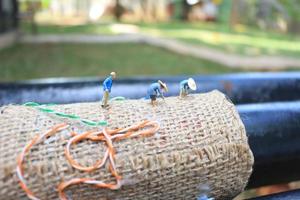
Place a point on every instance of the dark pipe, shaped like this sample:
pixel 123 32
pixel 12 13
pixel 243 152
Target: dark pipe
pixel 274 137
pixel 290 195
pixel 241 88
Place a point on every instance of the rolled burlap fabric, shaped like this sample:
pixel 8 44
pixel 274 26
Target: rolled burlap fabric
pixel 201 142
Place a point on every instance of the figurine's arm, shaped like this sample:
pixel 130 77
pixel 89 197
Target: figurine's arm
pixel 159 93
pixel 186 87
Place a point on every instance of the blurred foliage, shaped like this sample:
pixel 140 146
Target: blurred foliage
pixel 293 8
pixel 26 6
pixel 278 15
pixel 45 4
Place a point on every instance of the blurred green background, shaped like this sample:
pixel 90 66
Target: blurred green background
pixel 242 29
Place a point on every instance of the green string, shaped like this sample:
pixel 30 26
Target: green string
pixel 44 108
pixel 31 104
pixel 47 110
pixel 119 98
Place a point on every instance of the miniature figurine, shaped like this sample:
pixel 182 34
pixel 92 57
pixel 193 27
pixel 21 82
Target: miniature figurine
pixel 155 90
pixel 186 86
pixel 107 84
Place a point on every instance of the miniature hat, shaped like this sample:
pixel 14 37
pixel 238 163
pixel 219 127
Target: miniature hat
pixel 113 73
pixel 192 84
pixel 163 85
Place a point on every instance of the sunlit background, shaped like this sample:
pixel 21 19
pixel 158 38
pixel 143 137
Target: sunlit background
pixel 84 38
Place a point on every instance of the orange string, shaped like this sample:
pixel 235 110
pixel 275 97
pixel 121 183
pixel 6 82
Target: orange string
pixel 26 149
pixel 144 129
pixel 108 136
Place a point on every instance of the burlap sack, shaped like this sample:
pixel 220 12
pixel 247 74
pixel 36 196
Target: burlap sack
pixel 201 141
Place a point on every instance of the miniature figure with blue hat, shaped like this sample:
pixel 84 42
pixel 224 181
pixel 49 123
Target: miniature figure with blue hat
pixel 155 90
pixel 186 86
pixel 107 84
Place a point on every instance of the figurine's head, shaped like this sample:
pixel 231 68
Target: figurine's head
pixel 113 75
pixel 163 86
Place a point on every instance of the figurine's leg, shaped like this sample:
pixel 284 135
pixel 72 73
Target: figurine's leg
pixel 182 93
pixel 186 93
pixel 153 100
pixel 105 99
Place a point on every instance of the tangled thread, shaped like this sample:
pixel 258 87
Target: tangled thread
pixel 144 129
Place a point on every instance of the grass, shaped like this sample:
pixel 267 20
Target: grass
pixel 28 61
pixel 240 39
pixel 60 29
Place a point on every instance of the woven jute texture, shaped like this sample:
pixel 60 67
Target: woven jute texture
pixel 201 141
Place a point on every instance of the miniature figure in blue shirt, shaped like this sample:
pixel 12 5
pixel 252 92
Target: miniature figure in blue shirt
pixel 155 90
pixel 186 86
pixel 107 84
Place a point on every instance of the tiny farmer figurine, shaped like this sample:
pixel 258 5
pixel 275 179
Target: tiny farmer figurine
pixel 155 90
pixel 186 86
pixel 107 84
